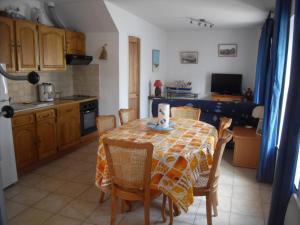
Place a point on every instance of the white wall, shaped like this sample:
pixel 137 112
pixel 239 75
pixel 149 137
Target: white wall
pixel 151 38
pixel 206 43
pixel 109 69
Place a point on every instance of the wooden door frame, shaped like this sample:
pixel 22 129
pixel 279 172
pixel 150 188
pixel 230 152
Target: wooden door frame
pixel 139 69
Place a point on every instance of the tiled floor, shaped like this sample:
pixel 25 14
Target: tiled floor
pixel 63 193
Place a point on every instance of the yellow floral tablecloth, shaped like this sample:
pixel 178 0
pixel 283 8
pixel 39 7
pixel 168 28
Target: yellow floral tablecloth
pixel 179 156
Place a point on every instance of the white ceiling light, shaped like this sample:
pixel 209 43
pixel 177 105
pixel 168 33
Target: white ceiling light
pixel 201 22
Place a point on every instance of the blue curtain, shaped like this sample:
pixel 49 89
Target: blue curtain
pixel 263 61
pixel 283 185
pixel 274 85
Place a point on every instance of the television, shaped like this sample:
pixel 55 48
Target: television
pixel 230 84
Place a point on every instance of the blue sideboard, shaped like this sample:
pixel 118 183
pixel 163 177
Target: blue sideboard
pixel 211 111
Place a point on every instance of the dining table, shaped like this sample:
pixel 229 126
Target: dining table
pixel 180 155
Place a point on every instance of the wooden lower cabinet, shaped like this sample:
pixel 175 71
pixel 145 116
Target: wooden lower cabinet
pixel 25 145
pixel 68 125
pixel 40 135
pixel 47 138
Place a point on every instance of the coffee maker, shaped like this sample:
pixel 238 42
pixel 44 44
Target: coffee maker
pixel 46 92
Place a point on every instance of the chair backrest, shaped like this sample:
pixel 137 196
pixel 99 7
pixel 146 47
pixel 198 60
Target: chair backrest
pixel 106 123
pixel 129 163
pixel 125 115
pixel 224 124
pixel 186 112
pixel 217 157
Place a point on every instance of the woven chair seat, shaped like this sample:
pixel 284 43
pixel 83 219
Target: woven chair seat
pixel 201 181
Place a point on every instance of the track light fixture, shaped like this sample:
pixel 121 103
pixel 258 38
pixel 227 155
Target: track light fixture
pixel 201 22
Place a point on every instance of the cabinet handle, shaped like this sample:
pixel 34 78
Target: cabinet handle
pixel 69 110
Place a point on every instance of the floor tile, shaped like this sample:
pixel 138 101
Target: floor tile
pixel 223 218
pixel 29 196
pixel 226 179
pixel 266 196
pixel 79 209
pixel 30 217
pixel 81 166
pixel 13 209
pixel 245 177
pixel 61 220
pixel 101 216
pixel 50 184
pixel 251 193
pixel 71 189
pixel 225 190
pixel 13 190
pixel 91 195
pixel 31 180
pixel 66 175
pixel 249 208
pixel 53 203
pixel 236 219
pixel 48 170
pixel 87 178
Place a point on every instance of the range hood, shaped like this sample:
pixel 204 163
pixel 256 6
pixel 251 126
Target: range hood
pixel 78 59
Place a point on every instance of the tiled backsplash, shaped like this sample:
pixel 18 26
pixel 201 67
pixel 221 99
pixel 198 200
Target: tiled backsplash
pixel 86 80
pixel 83 80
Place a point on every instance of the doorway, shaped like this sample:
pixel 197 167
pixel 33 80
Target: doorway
pixel 134 77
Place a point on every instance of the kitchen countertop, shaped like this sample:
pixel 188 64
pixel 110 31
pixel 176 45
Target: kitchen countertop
pixel 27 107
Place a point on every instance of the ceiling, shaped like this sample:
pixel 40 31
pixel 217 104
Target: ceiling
pixel 89 16
pixel 173 14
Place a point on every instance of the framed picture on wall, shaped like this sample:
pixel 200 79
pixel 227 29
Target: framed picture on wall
pixel 227 50
pixel 189 57
pixel 155 60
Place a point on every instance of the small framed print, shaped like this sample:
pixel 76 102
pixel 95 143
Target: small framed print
pixel 227 50
pixel 155 60
pixel 189 57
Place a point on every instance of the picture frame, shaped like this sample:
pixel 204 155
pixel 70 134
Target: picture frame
pixel 189 57
pixel 155 60
pixel 227 50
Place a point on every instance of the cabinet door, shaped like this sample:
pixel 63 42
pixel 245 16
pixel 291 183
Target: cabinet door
pixel 27 45
pixel 75 43
pixel 52 48
pixel 7 44
pixel 47 138
pixel 68 126
pixel 25 145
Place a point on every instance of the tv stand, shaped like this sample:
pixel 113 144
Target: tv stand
pixel 226 98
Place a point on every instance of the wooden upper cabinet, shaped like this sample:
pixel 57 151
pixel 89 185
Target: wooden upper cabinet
pixel 52 48
pixel 75 43
pixel 27 46
pixel 7 44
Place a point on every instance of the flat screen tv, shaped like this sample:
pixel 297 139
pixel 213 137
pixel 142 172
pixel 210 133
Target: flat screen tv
pixel 230 84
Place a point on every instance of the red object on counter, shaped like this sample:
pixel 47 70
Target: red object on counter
pixel 157 83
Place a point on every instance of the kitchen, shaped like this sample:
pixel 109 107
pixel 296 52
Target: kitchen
pixel 59 114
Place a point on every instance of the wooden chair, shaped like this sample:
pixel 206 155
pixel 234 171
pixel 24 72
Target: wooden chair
pixel 130 181
pixel 186 112
pixel 125 115
pixel 105 123
pixel 207 186
pixel 224 124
